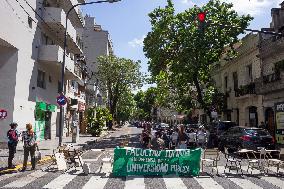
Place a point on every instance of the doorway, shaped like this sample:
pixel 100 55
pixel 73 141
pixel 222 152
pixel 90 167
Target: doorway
pixel 269 121
pixel 47 128
pixel 253 117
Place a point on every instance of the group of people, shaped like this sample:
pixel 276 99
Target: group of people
pixel 178 138
pixel 29 144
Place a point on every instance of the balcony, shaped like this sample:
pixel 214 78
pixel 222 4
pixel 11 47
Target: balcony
pixel 75 15
pixel 52 56
pixel 245 91
pixel 55 19
pixel 270 83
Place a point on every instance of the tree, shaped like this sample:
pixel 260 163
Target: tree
pixel 118 75
pixel 182 52
pixel 125 106
pixel 146 103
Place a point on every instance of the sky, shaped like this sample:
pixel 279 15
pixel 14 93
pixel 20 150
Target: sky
pixel 128 23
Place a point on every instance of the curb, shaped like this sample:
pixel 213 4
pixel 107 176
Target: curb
pixel 48 158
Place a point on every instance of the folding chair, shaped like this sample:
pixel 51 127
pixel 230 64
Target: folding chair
pixel 257 163
pixel 210 159
pixel 232 163
pixel 276 162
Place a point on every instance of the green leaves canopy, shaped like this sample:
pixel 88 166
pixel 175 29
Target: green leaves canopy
pixel 177 46
pixel 118 75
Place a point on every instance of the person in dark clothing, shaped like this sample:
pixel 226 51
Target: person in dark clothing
pixel 13 136
pixel 29 139
pixel 157 143
pixel 182 138
pixel 262 125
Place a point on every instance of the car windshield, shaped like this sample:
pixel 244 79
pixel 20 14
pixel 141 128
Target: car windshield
pixel 257 132
pixel 226 125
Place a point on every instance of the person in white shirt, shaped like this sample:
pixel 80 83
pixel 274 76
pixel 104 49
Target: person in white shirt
pixel 191 138
pixel 201 137
pixel 174 138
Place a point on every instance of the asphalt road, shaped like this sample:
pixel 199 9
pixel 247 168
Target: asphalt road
pixel 74 179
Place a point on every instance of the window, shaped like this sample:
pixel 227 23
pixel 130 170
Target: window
pixel 226 82
pixel 59 87
pixel 41 79
pixel 30 22
pixel 249 71
pixel 235 79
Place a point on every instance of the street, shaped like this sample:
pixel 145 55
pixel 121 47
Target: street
pixel 104 180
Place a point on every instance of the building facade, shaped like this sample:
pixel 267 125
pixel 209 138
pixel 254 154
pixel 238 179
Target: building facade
pixel 236 78
pixel 30 62
pixel 271 81
pixel 97 42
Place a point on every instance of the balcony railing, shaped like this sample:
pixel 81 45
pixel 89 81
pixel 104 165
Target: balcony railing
pixel 245 90
pixel 271 77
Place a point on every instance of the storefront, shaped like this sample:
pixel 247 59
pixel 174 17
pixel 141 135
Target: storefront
pixel 43 114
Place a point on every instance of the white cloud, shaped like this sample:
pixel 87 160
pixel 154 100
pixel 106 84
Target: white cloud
pixel 187 2
pixel 137 42
pixel 253 7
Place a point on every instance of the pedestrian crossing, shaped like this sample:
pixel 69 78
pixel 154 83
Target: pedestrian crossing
pixel 105 181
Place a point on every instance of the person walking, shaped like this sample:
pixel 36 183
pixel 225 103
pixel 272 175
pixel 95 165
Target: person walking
pixel 191 138
pixel 157 143
pixel 201 137
pixel 182 138
pixel 13 137
pixel 29 139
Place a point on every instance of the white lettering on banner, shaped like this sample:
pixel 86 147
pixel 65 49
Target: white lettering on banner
pixel 177 153
pixel 180 169
pixel 148 168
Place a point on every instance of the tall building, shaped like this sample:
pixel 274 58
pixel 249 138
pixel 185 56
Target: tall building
pixel 271 81
pixel 236 78
pixel 97 42
pixel 31 42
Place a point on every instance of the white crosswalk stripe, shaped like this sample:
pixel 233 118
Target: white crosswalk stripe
pixel 96 182
pixel 62 180
pixel 139 182
pixel 136 182
pixel 23 181
pixel 174 182
pixel 207 182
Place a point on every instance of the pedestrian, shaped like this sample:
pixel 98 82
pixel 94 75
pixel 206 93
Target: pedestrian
pixel 191 138
pixel 201 137
pixel 29 139
pixel 157 143
pixel 262 125
pixel 182 138
pixel 174 137
pixel 13 137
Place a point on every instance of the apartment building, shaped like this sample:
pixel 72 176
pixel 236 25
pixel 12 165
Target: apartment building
pixel 97 43
pixel 271 81
pixel 236 78
pixel 30 62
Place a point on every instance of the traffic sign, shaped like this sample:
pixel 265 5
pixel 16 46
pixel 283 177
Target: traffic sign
pixel 3 114
pixel 61 100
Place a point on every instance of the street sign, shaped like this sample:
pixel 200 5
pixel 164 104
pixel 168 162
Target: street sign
pixel 214 114
pixel 61 100
pixel 3 114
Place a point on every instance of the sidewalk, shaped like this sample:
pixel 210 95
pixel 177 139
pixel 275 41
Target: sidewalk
pixel 46 148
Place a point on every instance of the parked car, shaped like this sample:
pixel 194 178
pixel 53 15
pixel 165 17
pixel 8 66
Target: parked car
pixel 251 138
pixel 223 126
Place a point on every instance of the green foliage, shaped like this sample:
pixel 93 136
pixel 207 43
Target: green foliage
pixel 126 106
pixel 146 101
pixel 279 66
pixel 118 75
pixel 96 124
pixel 181 55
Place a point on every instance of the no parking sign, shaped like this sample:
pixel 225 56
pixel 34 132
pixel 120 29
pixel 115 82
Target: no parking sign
pixel 3 114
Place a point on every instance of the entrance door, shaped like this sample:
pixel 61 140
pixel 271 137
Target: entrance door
pixel 253 118
pixel 47 128
pixel 269 118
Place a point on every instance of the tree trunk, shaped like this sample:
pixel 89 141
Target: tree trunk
pixel 200 96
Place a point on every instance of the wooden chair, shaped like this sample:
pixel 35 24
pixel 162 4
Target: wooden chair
pixel 232 163
pixel 210 159
pixel 276 162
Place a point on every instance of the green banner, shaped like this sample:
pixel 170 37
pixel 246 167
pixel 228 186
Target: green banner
pixel 137 161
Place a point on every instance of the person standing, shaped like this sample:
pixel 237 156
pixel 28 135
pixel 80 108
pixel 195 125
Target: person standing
pixel 13 137
pixel 29 139
pixel 182 138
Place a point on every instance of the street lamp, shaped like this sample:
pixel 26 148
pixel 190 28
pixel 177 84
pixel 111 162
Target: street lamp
pixel 62 91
